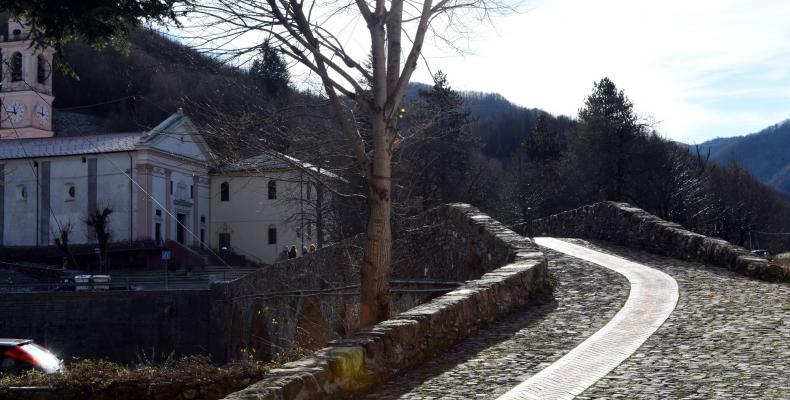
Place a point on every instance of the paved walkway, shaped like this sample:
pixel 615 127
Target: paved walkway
pixel 504 354
pixel 653 296
pixel 728 338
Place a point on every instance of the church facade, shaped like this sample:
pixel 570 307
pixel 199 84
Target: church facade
pixel 161 185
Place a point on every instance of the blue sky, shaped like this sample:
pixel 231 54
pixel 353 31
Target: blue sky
pixel 700 68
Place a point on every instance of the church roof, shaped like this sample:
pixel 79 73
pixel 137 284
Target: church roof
pixel 272 162
pixel 68 145
pixel 168 137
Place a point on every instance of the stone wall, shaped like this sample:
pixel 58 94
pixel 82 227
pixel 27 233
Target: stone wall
pixel 467 241
pixel 317 296
pixel 115 324
pixel 312 298
pixel 627 225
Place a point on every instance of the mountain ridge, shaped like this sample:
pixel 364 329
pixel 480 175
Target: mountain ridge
pixel 765 153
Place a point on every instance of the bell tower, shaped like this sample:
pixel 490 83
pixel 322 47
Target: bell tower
pixel 26 85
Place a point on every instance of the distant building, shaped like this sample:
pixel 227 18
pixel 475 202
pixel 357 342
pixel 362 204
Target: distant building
pixel 261 204
pixel 148 179
pixel 157 183
pixel 51 183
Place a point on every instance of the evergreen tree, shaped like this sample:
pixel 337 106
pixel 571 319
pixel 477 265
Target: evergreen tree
pixel 270 71
pixel 608 143
pixel 436 149
pixel 535 170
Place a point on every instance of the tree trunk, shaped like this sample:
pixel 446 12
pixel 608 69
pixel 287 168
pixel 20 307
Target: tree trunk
pixel 375 306
pixel 319 215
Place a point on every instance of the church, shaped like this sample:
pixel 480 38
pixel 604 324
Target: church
pixel 157 183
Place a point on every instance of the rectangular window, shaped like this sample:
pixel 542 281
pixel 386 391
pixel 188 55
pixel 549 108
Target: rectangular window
pixel 191 192
pixel 158 232
pixel 158 212
pixel 171 188
pixel 272 235
pixel 224 192
pixel 224 241
pixel 202 237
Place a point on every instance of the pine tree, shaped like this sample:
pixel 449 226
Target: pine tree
pixel 607 146
pixel 270 71
pixel 436 151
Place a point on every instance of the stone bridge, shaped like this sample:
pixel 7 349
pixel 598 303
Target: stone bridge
pixel 640 308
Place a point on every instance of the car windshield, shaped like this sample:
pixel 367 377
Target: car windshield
pixel 46 360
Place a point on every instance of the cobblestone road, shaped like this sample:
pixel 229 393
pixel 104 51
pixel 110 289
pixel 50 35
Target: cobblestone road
pixel 500 357
pixel 728 338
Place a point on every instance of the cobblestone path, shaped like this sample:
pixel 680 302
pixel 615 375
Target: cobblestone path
pixel 652 298
pixel 502 356
pixel 728 338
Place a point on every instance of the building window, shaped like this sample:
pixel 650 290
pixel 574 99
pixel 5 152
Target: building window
pixel 202 219
pixel 21 193
pixel 202 237
pixel 272 190
pixel 158 232
pixel 171 188
pixel 158 212
pixel 43 69
pixel 16 67
pixel 224 192
pixel 70 192
pixel 191 192
pixel 272 234
pixel 224 241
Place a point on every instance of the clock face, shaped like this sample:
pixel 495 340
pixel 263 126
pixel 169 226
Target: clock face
pixel 16 111
pixel 42 113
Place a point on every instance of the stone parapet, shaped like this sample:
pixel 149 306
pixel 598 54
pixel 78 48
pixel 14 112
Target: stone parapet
pixel 627 225
pixel 514 269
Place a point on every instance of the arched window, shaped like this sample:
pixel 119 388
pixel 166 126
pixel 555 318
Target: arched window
pixel 272 189
pixel 70 192
pixel 16 67
pixel 43 69
pixel 224 191
pixel 21 193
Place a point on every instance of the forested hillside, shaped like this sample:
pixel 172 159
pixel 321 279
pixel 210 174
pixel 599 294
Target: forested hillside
pixel 766 154
pixel 501 125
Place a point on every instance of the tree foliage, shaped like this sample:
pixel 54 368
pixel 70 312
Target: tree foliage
pixel 270 71
pixel 96 22
pixel 607 143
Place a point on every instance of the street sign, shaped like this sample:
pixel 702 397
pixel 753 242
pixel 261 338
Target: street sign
pixel 166 254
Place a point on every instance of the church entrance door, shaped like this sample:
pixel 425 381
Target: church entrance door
pixel 182 220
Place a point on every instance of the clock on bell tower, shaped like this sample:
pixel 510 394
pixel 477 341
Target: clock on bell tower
pixel 26 85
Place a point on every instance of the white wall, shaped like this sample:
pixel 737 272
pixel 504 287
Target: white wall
pixel 20 224
pixel 249 213
pixel 20 215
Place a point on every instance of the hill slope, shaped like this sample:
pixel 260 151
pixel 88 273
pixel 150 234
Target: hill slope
pixel 766 154
pixel 500 125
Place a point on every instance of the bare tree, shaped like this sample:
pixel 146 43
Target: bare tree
pixel 99 222
pixel 309 33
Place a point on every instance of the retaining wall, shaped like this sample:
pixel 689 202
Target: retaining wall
pixel 115 324
pixel 625 224
pixel 314 298
pixel 514 270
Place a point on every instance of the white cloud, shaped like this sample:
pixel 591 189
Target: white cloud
pixel 670 57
